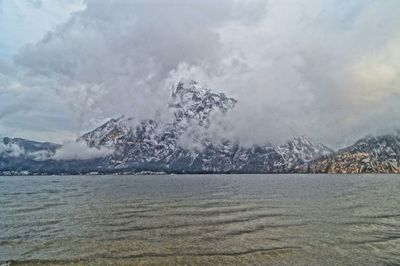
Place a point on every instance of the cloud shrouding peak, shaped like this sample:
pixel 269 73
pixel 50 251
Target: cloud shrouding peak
pixel 326 69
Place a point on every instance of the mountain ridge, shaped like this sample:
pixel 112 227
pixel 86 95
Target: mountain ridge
pixel 160 145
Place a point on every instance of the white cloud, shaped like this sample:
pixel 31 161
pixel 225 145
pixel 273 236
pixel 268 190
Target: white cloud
pixel 80 150
pixel 26 21
pixel 11 150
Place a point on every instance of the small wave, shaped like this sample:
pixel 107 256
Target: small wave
pixel 351 207
pixel 262 227
pixel 32 224
pixel 219 222
pixel 97 259
pixel 376 240
pixel 132 213
pixel 367 223
pixel 54 204
pixel 379 216
pixel 29 209
pixel 207 254
pixel 217 211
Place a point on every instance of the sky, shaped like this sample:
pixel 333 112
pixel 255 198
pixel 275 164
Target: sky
pixel 326 69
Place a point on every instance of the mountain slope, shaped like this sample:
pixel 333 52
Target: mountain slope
pixel 368 155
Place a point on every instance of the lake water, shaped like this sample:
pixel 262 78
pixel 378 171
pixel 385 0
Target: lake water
pixel 200 219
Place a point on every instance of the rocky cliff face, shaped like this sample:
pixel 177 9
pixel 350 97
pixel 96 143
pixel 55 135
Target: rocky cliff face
pixel 368 155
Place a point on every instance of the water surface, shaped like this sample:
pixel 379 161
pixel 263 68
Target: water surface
pixel 200 219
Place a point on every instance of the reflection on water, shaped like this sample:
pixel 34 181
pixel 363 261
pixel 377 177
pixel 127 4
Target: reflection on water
pixel 197 220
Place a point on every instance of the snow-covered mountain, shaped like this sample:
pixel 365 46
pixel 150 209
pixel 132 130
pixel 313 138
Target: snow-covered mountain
pixel 21 156
pixel 368 155
pixel 179 142
pixel 27 149
pixel 157 146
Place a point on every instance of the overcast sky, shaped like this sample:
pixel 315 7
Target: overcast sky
pixel 327 69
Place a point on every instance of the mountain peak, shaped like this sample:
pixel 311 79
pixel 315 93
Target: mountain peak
pixel 190 103
pixel 193 101
pixel 189 86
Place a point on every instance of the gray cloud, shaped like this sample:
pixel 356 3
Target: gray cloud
pixel 115 62
pixel 328 69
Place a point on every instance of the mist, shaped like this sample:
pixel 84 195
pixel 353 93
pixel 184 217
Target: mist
pixel 326 69
pixel 79 151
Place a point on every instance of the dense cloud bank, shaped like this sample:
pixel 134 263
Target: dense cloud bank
pixel 328 69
